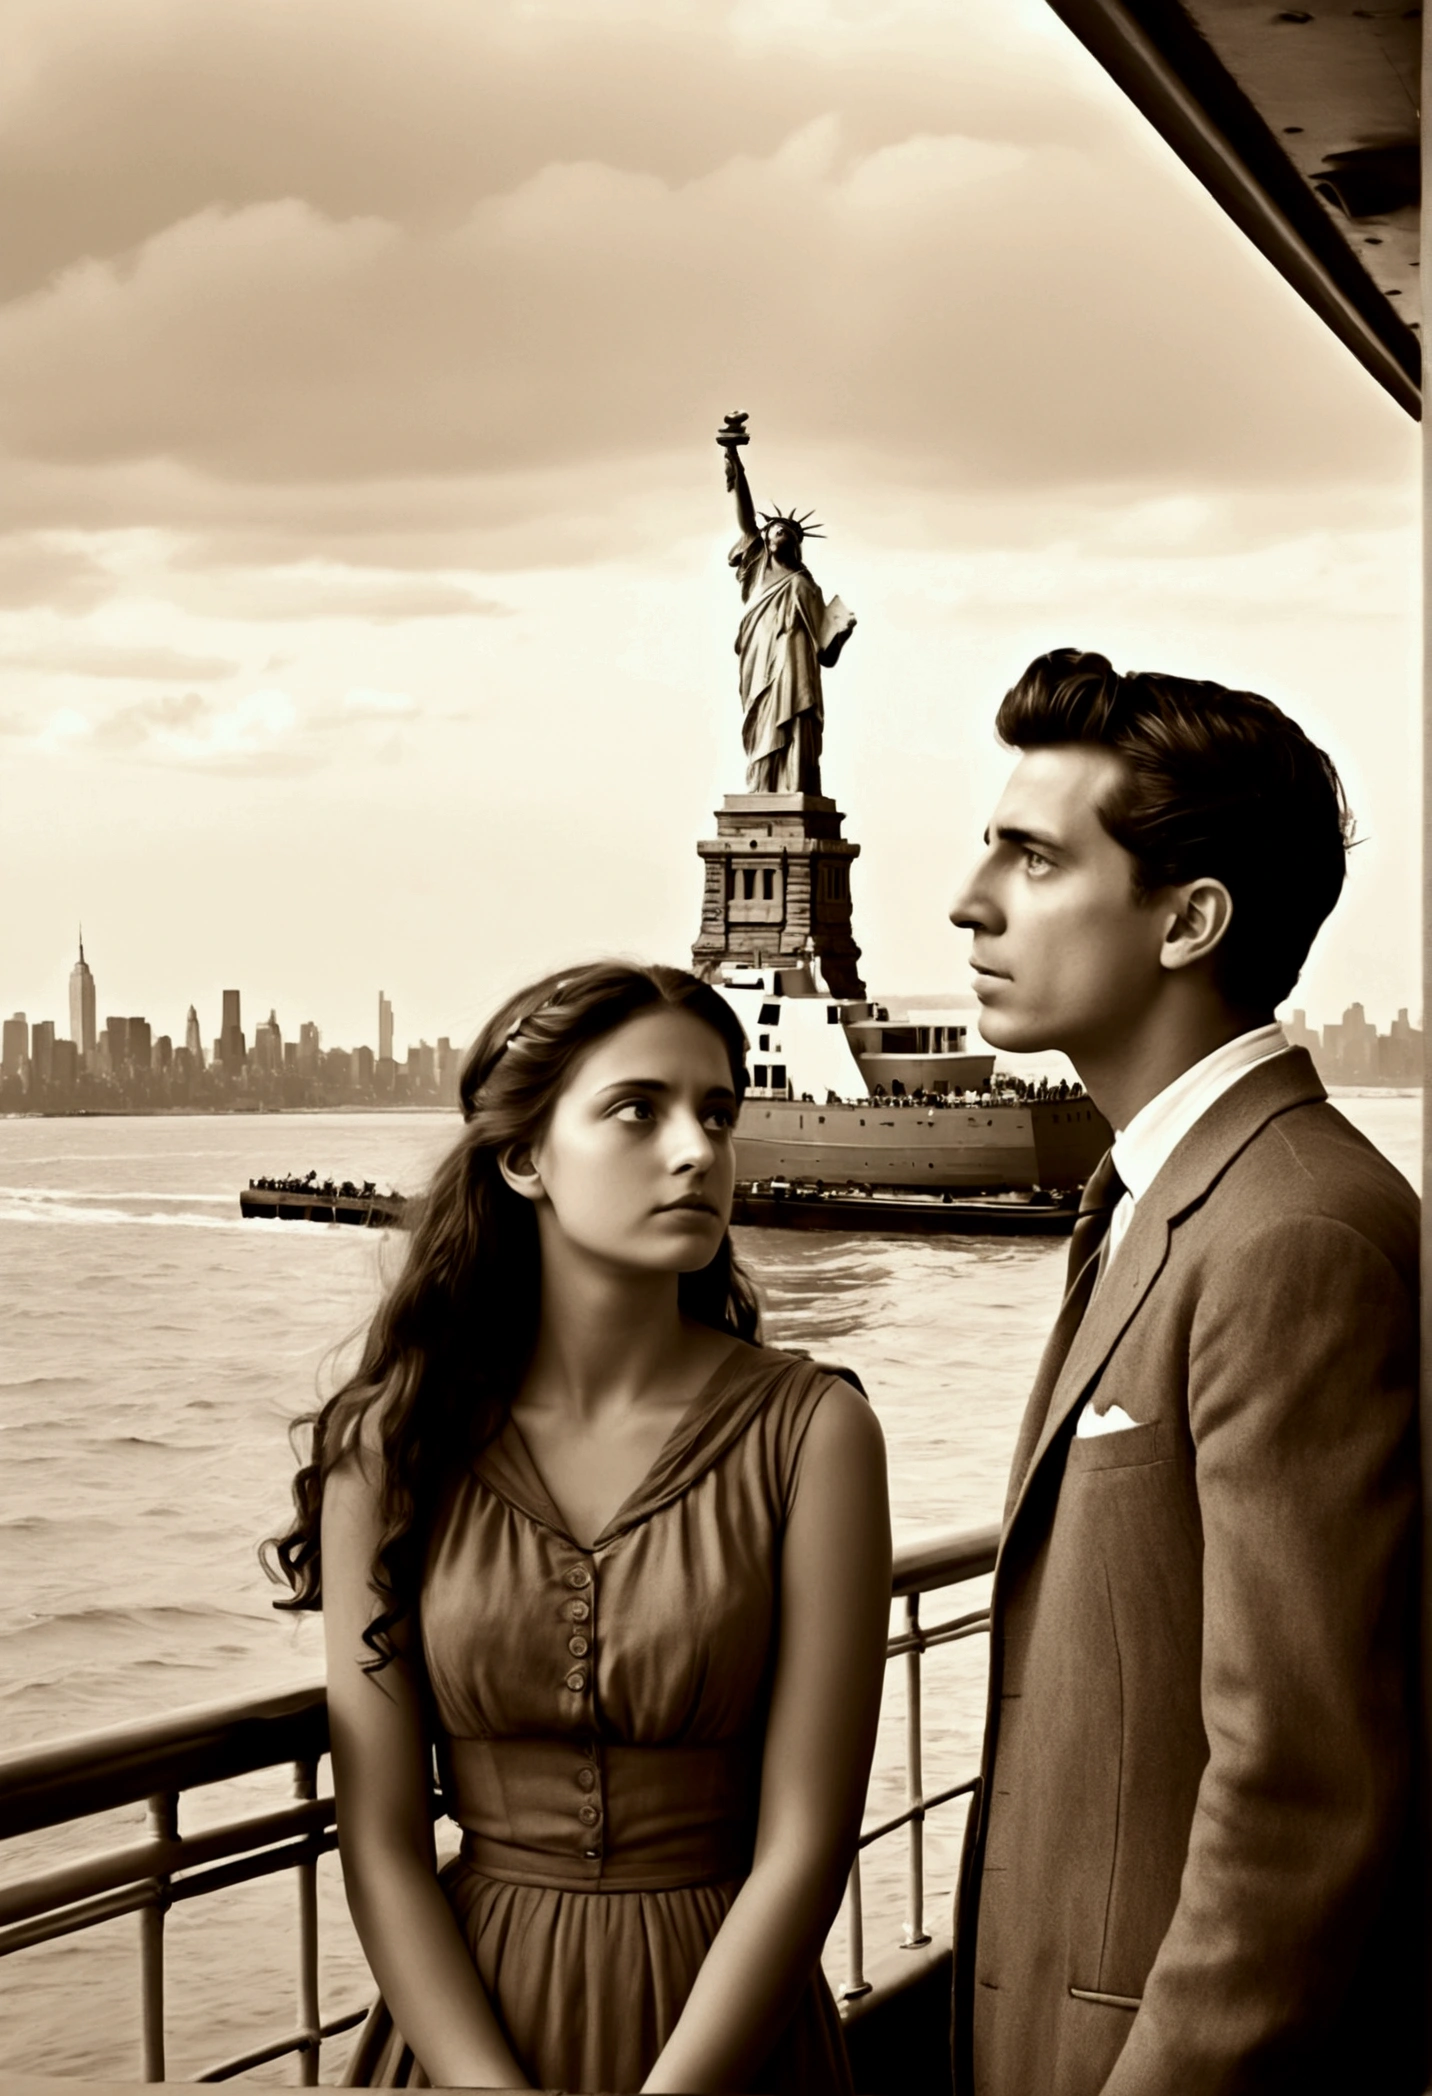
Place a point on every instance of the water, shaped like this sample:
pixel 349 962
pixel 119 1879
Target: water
pixel 155 1348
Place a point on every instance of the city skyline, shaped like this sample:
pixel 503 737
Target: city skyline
pixel 127 1048
pixel 127 1064
pixel 217 1046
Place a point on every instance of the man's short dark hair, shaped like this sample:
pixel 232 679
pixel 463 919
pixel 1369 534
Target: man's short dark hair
pixel 1217 784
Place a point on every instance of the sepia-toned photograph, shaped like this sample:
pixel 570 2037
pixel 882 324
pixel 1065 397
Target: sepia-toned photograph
pixel 711 793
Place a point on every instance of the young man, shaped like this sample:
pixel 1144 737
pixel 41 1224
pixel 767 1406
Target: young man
pixel 1190 1868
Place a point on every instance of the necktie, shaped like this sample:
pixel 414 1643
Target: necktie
pixel 1102 1193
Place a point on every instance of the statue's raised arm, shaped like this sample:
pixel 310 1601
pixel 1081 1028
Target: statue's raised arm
pixel 788 634
pixel 731 436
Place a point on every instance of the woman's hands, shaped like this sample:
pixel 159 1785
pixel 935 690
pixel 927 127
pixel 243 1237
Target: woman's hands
pixel 830 1666
pixel 382 1776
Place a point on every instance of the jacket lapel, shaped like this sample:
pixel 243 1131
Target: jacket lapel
pixel 1198 1162
pixel 1085 1244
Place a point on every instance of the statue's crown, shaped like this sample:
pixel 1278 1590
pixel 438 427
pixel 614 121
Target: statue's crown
pixel 803 527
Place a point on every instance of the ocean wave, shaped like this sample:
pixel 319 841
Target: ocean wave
pixel 41 1524
pixel 149 1625
pixel 55 1212
pixel 79 1193
pixel 181 1212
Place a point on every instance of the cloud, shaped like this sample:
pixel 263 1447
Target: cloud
pixel 95 658
pixel 37 569
pixel 338 591
pixel 64 729
pixel 262 732
pixel 252 734
pixel 943 307
pixel 379 705
pixel 123 117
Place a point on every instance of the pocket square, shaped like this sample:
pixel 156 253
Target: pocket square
pixel 1115 1421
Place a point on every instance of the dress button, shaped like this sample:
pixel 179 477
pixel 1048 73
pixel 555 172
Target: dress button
pixel 576 1681
pixel 579 1576
pixel 579 1611
pixel 586 1779
pixel 588 1815
pixel 577 1646
pixel 591 1854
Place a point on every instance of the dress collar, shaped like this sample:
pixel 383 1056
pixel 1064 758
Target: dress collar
pixel 736 1391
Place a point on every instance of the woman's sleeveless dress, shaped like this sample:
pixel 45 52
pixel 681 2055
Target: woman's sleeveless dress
pixel 602 1714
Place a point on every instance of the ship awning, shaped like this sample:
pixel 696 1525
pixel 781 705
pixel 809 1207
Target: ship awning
pixel 1302 122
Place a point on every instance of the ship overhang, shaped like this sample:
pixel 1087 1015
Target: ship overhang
pixel 1303 124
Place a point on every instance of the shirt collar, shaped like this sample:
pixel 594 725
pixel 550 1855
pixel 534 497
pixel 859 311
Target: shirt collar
pixel 1143 1148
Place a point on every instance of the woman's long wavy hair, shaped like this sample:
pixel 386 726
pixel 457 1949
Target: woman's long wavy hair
pixel 446 1352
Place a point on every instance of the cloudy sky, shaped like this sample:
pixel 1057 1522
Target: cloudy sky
pixel 364 615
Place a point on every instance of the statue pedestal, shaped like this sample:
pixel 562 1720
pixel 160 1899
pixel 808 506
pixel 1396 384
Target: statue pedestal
pixel 777 891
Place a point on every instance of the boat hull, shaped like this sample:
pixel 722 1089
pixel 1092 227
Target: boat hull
pixel 1053 1144
pixel 903 1215
pixel 375 1212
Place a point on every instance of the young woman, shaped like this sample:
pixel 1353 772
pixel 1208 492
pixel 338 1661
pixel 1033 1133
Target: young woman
pixel 624 1568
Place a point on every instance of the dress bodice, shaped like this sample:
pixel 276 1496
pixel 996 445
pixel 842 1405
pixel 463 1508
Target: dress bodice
pixel 602 1710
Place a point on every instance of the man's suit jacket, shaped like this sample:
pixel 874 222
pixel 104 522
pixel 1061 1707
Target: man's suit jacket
pixel 1189 1868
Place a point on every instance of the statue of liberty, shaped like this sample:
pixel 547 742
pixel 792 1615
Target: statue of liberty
pixel 788 635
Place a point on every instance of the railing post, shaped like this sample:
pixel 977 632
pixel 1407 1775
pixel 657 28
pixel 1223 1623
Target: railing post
pixel 163 1825
pixel 1425 242
pixel 310 2021
pixel 915 1934
pixel 855 1981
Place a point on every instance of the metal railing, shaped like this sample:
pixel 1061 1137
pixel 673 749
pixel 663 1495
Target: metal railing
pixel 157 1762
pixel 922 1568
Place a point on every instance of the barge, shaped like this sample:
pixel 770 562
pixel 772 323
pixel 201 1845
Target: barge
pixel 310 1200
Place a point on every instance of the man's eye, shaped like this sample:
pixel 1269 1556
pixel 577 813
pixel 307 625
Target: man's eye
pixel 1035 862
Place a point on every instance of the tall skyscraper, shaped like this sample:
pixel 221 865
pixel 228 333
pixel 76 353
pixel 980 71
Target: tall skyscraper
pixel 82 1029
pixel 42 1050
pixel 449 1070
pixel 268 1043
pixel 139 1043
pixel 15 1054
pixel 231 1037
pixel 385 1029
pixel 192 1039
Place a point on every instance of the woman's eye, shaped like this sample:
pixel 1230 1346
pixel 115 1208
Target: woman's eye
pixel 633 1110
pixel 720 1117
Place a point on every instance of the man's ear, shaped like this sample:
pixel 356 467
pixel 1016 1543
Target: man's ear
pixel 1200 913
pixel 519 1168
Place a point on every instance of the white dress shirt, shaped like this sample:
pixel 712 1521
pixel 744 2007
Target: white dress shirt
pixel 1141 1151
